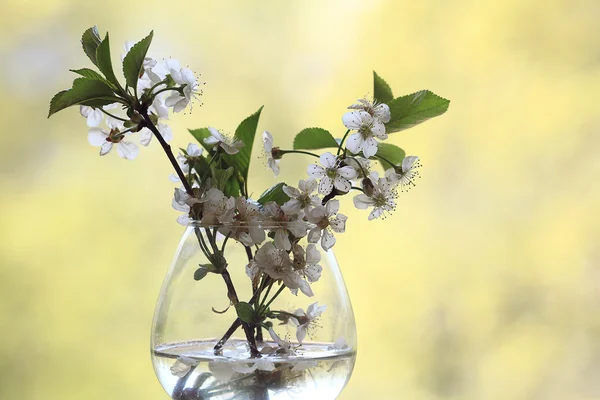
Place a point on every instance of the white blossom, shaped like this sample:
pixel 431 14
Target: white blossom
pixel 407 174
pixel 379 111
pixel 182 366
pixel 277 264
pixel 301 199
pixel 306 321
pixel 259 364
pixel 284 225
pixel 285 347
pixel 361 165
pixel 268 149
pixel 160 70
pixel 331 174
pixel 230 146
pixel 340 344
pixel 326 220
pixel 192 150
pixel 182 201
pixel 218 208
pixel 246 225
pixel 306 263
pixel 107 139
pixel 383 199
pixel 93 115
pixel 182 77
pixel 368 128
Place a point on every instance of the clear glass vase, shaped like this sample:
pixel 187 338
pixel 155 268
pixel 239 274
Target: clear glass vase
pixel 201 349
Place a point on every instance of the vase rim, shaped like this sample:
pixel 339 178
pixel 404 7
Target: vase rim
pixel 192 223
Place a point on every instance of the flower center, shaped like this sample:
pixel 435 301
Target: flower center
pixel 365 131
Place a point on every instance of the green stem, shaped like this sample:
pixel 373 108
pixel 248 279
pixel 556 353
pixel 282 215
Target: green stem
pixel 165 89
pixel 266 295
pixel 299 152
pixel 113 116
pixel 386 160
pixel 275 296
pixel 342 142
pixel 225 242
pixel 357 188
pixel 157 85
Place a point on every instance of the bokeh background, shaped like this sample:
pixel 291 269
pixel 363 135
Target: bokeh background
pixel 484 284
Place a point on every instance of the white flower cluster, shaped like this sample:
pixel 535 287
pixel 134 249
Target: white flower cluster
pixel 166 83
pixel 338 174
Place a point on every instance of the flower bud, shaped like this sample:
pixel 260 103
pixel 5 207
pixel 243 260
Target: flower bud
pixel 368 187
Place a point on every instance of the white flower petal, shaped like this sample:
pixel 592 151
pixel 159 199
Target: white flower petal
pixel 352 120
pixel 316 171
pixel 127 150
pixel 267 141
pixel 106 148
pixel 312 254
pixel 332 207
pixel 409 162
pixel 326 185
pixel 338 224
pixel 94 118
pixel 362 201
pixel 314 235
pixel 328 160
pixel 301 333
pixel 347 172
pixel 382 112
pixel 327 240
pixel 342 184
pixel 145 136
pixel 292 207
pixel 354 143
pixel 97 137
pixel 369 147
pixel 378 130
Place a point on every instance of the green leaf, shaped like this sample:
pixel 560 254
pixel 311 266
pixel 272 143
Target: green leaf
pixel 232 188
pixel 105 63
pixel 391 153
pixel 201 273
pixel 314 138
pixel 201 134
pixel 90 41
pixel 90 74
pixel 134 60
pixel 381 90
pixel 244 132
pixel 413 109
pixel 86 92
pixel 274 193
pixel 245 312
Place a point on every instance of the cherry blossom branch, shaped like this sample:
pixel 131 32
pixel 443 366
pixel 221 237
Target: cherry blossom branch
pixel 167 148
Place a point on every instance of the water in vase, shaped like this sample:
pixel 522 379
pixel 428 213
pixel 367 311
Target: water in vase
pixel 191 371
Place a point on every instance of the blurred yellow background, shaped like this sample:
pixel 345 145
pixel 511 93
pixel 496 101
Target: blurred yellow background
pixel 484 284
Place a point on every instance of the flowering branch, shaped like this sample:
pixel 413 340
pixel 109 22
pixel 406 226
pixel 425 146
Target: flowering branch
pixel 286 223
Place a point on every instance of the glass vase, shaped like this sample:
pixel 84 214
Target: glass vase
pixel 209 340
